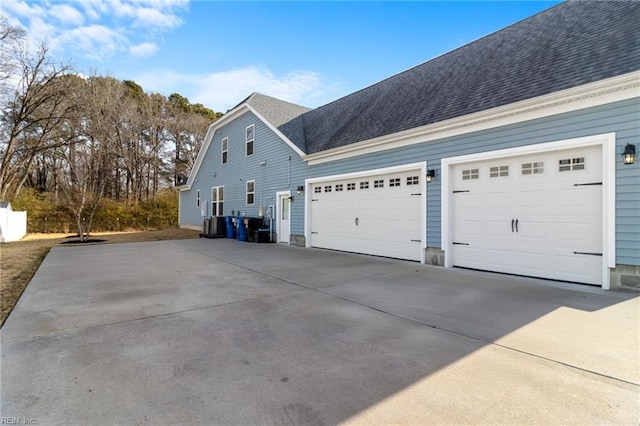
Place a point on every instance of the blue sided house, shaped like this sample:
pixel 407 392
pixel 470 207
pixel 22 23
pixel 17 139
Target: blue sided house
pixel 514 153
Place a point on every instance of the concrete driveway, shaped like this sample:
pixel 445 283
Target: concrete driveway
pixel 221 332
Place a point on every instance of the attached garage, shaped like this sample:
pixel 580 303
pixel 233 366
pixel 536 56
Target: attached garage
pixel 541 212
pixel 379 212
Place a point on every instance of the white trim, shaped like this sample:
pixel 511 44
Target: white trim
pixel 253 141
pixel 246 192
pixel 608 143
pixel 586 96
pixel 278 213
pixel 422 166
pixel 223 151
pixel 222 121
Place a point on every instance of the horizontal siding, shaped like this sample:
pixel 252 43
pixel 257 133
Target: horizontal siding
pixel 283 171
pixel 621 117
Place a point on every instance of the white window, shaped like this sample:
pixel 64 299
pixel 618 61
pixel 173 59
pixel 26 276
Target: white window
pixel 198 198
pixel 499 171
pixel 217 201
pixel 327 188
pixel 249 138
pixel 378 183
pixel 470 174
pixel 394 182
pixel 225 150
pixel 571 164
pixel 317 189
pixel 339 187
pixel 413 180
pixel 533 168
pixel 351 187
pixel 251 192
pixel 364 185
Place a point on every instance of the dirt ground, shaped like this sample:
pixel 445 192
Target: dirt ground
pixel 19 260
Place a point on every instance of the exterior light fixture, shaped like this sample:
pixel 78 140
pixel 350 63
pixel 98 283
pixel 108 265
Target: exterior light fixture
pixel 430 175
pixel 628 156
pixel 263 163
pixel 300 189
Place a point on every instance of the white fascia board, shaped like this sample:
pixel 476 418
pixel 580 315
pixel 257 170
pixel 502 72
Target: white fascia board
pixel 277 132
pixel 225 119
pixel 586 96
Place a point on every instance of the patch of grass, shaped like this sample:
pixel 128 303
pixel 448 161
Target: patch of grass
pixel 20 260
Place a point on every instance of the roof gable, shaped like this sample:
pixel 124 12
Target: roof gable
pixel 569 45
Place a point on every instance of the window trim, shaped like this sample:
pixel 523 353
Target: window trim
pixel 247 192
pixel 248 141
pixel 218 201
pixel 223 150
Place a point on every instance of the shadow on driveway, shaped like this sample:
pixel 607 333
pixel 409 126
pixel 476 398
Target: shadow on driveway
pixel 221 332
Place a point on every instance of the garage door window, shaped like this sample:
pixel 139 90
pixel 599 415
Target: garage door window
pixel 317 189
pixel 339 187
pixel 327 188
pixel 413 180
pixel 570 164
pixel 470 174
pixel 378 183
pixel 394 182
pixel 533 168
pixel 364 185
pixel 499 171
pixel 351 187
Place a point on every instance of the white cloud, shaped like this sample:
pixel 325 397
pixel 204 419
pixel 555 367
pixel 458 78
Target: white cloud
pixel 97 29
pixel 67 14
pixel 143 49
pixel 223 90
pixel 152 18
pixel 95 41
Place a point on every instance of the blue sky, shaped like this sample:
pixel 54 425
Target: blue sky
pixel 217 53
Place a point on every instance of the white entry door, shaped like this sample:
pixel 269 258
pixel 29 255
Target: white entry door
pixel 284 217
pixel 536 215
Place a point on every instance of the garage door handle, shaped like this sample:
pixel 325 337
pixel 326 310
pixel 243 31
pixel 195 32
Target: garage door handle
pixel 357 220
pixel 517 225
pixel 512 222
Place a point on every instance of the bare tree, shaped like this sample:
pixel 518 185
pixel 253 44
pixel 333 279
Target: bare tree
pixel 35 104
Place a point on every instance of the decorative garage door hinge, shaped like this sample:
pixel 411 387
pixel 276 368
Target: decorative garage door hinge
pixel 462 190
pixel 314 233
pixel 588 184
pixel 418 193
pixel 455 243
pixel 586 253
pixel 416 241
pixel 314 199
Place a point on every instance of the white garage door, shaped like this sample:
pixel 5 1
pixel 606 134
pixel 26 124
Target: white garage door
pixel 378 214
pixel 536 215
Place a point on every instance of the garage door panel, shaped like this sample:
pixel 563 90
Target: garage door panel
pixel 378 215
pixel 556 214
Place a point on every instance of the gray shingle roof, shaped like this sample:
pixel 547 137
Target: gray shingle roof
pixel 284 116
pixel 571 44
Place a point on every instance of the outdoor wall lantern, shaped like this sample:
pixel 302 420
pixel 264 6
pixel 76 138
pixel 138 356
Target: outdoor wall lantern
pixel 300 190
pixel 430 175
pixel 628 156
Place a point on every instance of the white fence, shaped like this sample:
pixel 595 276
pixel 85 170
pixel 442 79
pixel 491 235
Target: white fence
pixel 13 225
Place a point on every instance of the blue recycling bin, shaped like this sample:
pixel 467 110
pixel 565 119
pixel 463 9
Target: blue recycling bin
pixel 230 230
pixel 242 230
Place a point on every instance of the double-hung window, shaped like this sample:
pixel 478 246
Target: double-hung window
pixel 225 150
pixel 249 138
pixel 217 201
pixel 251 192
pixel 198 198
